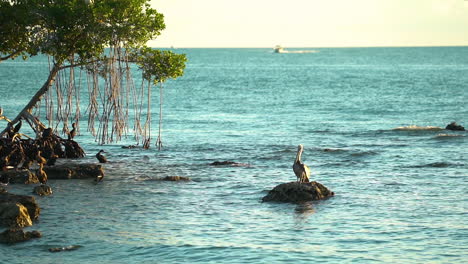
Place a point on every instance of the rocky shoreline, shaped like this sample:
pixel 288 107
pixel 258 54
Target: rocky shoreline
pixel 19 211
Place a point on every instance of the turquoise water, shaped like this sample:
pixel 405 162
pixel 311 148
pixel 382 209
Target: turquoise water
pixel 401 194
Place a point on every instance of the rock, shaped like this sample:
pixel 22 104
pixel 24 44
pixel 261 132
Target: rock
pixel 67 248
pixel 27 201
pixel 455 126
pixel 42 190
pixel 229 163
pixel 175 178
pixel 14 215
pixel 15 235
pixel 74 171
pixel 296 192
pixel 18 176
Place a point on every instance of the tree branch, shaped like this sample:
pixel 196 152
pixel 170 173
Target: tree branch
pixel 10 56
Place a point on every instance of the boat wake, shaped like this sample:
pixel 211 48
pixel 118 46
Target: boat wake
pixel 279 49
pixel 298 51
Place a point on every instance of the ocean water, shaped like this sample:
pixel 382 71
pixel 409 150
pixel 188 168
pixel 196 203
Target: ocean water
pixel 371 121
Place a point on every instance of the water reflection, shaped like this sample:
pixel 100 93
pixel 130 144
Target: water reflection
pixel 303 211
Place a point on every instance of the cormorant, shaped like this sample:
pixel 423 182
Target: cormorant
pixel 41 175
pixel 17 127
pixel 101 157
pixel 47 132
pixel 40 159
pixel 72 133
pixel 51 161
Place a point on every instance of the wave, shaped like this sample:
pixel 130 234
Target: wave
pixel 418 128
pixel 352 152
pixel 438 165
pixel 446 136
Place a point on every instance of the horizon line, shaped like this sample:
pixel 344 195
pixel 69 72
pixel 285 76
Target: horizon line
pixel 310 47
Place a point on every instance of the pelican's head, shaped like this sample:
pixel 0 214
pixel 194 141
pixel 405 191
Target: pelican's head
pixel 300 147
pixel 102 151
pixel 74 125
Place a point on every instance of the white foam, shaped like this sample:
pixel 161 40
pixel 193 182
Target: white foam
pixel 414 127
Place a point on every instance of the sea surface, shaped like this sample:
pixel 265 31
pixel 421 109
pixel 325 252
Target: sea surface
pixel 372 124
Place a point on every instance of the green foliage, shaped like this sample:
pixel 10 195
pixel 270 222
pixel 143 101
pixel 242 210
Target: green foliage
pixel 73 31
pixel 100 36
pixel 159 65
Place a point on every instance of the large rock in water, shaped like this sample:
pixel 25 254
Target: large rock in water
pixel 58 172
pixel 74 171
pixel 296 192
pixel 15 235
pixel 14 215
pixel 455 126
pixel 27 201
pixel 18 176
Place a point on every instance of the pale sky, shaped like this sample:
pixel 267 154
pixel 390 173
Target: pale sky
pixel 312 23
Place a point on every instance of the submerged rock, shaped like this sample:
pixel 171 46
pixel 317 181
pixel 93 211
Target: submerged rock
pixel 67 248
pixel 175 178
pixel 42 190
pixel 74 171
pixel 296 192
pixel 455 126
pixel 14 215
pixel 15 235
pixel 27 201
pixel 229 163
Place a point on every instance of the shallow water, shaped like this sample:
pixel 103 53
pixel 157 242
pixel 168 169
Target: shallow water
pixel 371 122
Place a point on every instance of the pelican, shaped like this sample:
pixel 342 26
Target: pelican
pixel 101 157
pixel 72 133
pixel 41 175
pixel 300 169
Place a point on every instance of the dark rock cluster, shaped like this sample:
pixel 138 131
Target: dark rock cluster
pixel 455 126
pixel 297 192
pixel 16 212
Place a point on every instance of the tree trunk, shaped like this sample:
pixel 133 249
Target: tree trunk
pixel 26 112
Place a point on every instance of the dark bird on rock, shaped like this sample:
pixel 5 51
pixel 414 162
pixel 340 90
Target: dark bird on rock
pixel 10 130
pixel 18 127
pixel 27 163
pixel 47 132
pixel 41 175
pixel 101 157
pixel 51 161
pixel 72 133
pixel 300 169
